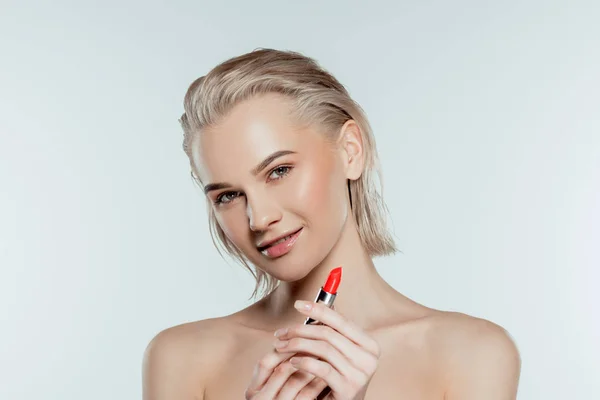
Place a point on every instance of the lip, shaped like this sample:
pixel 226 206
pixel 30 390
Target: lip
pixel 266 243
pixel 279 249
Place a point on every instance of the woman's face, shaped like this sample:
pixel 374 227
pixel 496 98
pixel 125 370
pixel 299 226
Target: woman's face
pixel 268 179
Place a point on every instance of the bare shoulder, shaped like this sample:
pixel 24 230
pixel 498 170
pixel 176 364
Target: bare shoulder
pixel 179 360
pixel 480 358
pixel 465 337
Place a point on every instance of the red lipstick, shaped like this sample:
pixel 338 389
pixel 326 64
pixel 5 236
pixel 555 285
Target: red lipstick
pixel 327 292
pixel 333 280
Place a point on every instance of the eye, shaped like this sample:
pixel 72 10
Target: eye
pixel 279 172
pixel 226 197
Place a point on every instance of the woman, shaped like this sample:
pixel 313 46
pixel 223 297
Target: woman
pixel 288 163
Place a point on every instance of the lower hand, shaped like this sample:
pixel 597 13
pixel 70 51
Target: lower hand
pixel 276 378
pixel 338 352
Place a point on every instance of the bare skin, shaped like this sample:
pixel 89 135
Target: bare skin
pixel 407 351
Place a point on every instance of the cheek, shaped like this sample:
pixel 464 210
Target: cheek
pixel 320 192
pixel 231 222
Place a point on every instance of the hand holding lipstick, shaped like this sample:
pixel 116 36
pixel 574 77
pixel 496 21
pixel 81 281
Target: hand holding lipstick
pixel 328 356
pixel 338 352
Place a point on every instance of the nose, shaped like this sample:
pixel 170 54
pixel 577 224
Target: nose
pixel 262 213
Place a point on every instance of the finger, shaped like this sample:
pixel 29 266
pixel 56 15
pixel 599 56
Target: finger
pixel 323 370
pixel 265 367
pixel 275 381
pixel 294 384
pixel 316 389
pixel 323 393
pixel 359 357
pixel 322 350
pixel 338 322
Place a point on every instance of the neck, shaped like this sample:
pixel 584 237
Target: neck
pixel 363 295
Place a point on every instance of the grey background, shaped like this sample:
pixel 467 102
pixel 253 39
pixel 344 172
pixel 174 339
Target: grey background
pixel 486 117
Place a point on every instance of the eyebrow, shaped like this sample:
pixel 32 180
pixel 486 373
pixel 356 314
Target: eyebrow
pixel 255 171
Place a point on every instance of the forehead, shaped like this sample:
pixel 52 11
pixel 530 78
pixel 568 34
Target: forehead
pixel 253 130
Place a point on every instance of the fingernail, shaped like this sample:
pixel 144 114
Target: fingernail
pixel 280 343
pixel 281 332
pixel 294 361
pixel 303 305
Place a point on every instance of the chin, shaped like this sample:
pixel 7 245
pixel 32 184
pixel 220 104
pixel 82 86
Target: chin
pixel 291 267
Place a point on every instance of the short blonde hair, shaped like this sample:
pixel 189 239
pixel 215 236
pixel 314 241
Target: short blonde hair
pixel 318 99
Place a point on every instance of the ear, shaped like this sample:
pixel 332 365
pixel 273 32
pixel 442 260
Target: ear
pixel 351 145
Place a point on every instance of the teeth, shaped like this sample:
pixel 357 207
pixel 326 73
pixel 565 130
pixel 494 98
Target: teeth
pixel 281 240
pixel 264 251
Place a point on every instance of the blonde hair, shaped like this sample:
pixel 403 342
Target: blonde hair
pixel 318 99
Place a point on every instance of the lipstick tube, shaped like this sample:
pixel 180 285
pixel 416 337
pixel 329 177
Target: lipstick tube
pixel 327 292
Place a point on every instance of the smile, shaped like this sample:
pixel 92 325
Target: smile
pixel 281 246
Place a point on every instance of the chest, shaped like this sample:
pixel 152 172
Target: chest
pixel 403 372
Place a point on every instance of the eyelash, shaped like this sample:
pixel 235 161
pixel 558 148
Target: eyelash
pixel 287 168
